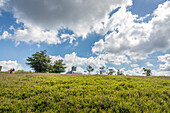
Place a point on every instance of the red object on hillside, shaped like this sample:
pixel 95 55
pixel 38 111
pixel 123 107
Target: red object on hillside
pixel 10 70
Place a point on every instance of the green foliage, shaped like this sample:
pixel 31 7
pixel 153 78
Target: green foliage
pixel 22 71
pixel 50 68
pixel 39 61
pixel 119 72
pixel 58 66
pixel 147 71
pixel 111 71
pixel 85 93
pixel 102 69
pixel 4 71
pixel 89 68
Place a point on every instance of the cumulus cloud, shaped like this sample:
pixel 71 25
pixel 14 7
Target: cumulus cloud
pixel 135 72
pixel 7 65
pixel 78 15
pixel 166 60
pixel 33 34
pixel 2 2
pixel 80 70
pixel 149 64
pixel 160 73
pixel 135 39
pixel 134 65
pixel 73 60
pixel 66 37
pixel 5 35
pixel 96 62
pixel 114 59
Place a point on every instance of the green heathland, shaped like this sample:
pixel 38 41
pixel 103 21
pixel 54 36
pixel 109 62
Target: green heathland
pixel 83 93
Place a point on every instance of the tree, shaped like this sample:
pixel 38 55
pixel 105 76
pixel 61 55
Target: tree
pixel 89 68
pixel 50 68
pixel 102 70
pixel 39 61
pixel 111 71
pixel 58 66
pixel 119 72
pixel 147 71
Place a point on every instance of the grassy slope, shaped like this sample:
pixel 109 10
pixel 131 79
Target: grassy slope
pixel 76 93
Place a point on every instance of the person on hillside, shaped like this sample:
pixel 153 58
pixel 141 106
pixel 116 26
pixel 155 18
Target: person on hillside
pixel 13 70
pixel 10 71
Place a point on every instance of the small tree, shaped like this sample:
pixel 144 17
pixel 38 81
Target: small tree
pixel 118 72
pixel 102 70
pixel 39 61
pixel 147 71
pixel 111 71
pixel 58 66
pixel 89 68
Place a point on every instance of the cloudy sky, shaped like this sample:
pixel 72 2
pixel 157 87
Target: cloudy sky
pixel 121 34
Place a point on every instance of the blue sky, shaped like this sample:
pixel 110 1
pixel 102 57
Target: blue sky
pixel 125 34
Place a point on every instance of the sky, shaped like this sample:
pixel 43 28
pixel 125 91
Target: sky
pixel 125 35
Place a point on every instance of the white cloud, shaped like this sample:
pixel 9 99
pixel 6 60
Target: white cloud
pixel 80 16
pixel 66 37
pixel 114 59
pixel 135 72
pixel 5 35
pixel 166 60
pixel 99 46
pixel 7 65
pixel 149 64
pixel 80 70
pixel 33 34
pixel 136 40
pixel 160 73
pixel 96 62
pixel 73 60
pixel 76 44
pixel 2 2
pixel 134 65
pixel 12 27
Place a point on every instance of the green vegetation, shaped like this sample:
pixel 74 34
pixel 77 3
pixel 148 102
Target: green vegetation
pixel 22 71
pixel 58 66
pixel 18 71
pixel 83 93
pixel 40 62
pixel 102 70
pixel 89 68
pixel 111 71
pixel 147 72
pixel 4 72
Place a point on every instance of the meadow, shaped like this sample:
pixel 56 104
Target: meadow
pixel 83 93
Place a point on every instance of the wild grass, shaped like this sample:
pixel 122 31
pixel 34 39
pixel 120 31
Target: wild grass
pixel 83 93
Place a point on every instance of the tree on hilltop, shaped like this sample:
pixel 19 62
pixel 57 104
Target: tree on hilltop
pixel 89 68
pixel 58 66
pixel 39 61
pixel 111 71
pixel 102 70
pixel 119 72
pixel 147 71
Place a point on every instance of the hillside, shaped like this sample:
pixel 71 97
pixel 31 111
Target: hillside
pixel 83 93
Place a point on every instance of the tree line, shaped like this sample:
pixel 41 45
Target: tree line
pixel 42 63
